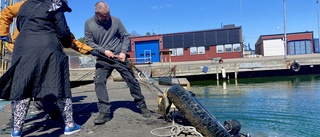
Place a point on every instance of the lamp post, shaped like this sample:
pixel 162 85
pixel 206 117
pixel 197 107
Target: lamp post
pixel 284 27
pixel 318 19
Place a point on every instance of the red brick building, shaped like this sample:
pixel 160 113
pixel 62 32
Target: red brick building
pixel 188 46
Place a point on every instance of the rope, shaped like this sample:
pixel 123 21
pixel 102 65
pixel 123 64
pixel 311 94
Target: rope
pixel 76 110
pixel 85 75
pixel 175 130
pixel 170 72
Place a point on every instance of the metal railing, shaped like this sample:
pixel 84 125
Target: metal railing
pixel 81 62
pixel 146 60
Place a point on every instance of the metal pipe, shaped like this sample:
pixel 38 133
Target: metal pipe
pixel 1 46
pixel 318 18
pixel 285 33
pixel 98 54
pixel 0 5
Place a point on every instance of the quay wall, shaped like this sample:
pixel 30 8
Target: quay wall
pixel 237 66
pixel 232 67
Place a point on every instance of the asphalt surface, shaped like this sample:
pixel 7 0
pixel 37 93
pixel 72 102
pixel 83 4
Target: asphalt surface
pixel 126 118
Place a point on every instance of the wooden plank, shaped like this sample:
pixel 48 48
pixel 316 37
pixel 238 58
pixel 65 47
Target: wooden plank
pixel 175 81
pixel 184 83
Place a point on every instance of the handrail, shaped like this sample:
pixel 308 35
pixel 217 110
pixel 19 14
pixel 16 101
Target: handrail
pixel 144 60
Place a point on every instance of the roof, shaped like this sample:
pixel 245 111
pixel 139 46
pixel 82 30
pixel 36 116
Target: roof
pixel 225 28
pixel 286 33
pixel 228 28
pixel 281 35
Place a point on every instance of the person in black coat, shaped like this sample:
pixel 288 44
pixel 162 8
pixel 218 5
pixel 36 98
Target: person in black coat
pixel 39 65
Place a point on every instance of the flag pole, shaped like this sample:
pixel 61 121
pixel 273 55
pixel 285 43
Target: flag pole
pixel 318 18
pixel 284 28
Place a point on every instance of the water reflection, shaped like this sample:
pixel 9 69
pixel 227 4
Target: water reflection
pixel 266 107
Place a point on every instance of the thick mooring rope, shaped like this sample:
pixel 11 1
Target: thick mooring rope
pixel 175 130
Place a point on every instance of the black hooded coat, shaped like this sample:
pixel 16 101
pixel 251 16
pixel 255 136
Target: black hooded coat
pixel 39 65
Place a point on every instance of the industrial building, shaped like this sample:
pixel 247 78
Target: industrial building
pixel 222 43
pixel 297 43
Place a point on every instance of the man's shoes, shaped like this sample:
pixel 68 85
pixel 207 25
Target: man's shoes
pixel 70 130
pixel 16 133
pixel 145 112
pixel 102 118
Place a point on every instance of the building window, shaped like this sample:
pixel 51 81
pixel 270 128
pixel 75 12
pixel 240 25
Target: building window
pixel 308 47
pixel 179 51
pixel 193 50
pixel 220 49
pixel 228 47
pixel 201 50
pixel 236 47
pixel 300 47
pixel 176 52
pixel 173 52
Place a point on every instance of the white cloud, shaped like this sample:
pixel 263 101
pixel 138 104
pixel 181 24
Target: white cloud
pixel 154 7
pixel 168 5
pixel 160 7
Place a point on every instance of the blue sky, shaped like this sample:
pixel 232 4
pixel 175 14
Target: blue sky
pixel 257 17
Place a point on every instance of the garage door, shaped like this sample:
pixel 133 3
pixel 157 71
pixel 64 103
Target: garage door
pixel 147 51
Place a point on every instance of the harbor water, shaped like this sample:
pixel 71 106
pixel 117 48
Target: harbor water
pixel 265 107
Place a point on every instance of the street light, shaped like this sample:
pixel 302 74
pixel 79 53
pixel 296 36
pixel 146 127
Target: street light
pixel 318 19
pixel 285 34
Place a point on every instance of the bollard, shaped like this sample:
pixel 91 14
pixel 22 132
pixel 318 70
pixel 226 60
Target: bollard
pixel 235 71
pixel 223 71
pixel 217 72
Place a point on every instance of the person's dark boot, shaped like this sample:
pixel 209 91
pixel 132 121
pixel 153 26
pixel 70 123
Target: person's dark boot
pixel 102 118
pixel 145 112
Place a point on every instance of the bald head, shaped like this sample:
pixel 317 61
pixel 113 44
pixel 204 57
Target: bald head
pixel 102 7
pixel 102 11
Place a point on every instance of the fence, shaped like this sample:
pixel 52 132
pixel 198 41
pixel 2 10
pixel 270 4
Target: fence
pixel 146 60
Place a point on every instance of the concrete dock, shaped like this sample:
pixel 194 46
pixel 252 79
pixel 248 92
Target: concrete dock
pixel 126 119
pixel 229 66
pixel 237 65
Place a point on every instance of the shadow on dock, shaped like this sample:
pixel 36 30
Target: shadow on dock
pixel 75 84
